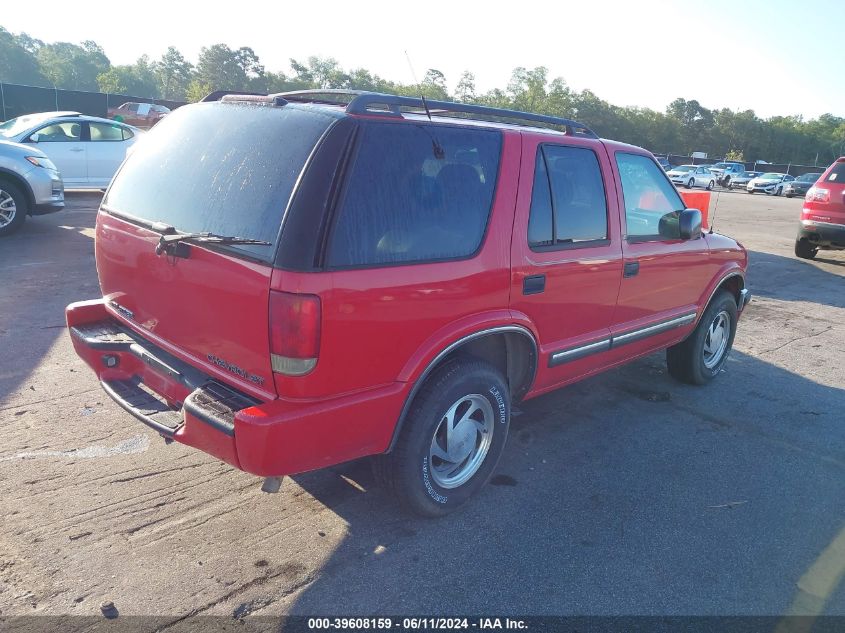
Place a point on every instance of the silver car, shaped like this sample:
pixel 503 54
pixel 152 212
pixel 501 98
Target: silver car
pixel 770 182
pixel 30 184
pixel 692 176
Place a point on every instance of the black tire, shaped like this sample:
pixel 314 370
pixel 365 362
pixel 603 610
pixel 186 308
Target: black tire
pixel 8 191
pixel 751 191
pixel 409 471
pixel 788 195
pixel 710 185
pixel 690 183
pixel 726 183
pixel 776 191
pixel 805 250
pixel 687 360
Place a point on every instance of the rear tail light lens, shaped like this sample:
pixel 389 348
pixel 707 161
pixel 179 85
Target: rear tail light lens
pixel 294 332
pixel 817 194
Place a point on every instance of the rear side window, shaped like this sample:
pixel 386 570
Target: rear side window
pixel 652 204
pixel 220 167
pixel 105 132
pixel 568 203
pixel 415 193
pixel 836 174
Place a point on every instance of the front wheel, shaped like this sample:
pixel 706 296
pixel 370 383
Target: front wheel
pixel 710 185
pixel 788 195
pixel 776 191
pixel 13 208
pixel 690 183
pixel 699 358
pixel 451 440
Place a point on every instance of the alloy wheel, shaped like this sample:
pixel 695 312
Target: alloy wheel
pixel 716 340
pixel 461 441
pixel 8 209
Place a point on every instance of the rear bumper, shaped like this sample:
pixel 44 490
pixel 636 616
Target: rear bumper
pixel 822 233
pixel 180 402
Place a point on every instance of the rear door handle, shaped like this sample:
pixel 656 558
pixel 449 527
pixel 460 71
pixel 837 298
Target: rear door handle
pixel 533 284
pixel 631 269
pixel 77 149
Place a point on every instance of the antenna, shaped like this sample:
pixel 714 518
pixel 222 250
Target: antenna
pixel 715 208
pixel 416 81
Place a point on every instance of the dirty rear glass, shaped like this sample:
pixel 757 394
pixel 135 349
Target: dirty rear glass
pixel 220 167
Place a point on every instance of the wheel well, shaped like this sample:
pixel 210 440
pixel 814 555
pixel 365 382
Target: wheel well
pixel 511 353
pixel 733 284
pixel 14 179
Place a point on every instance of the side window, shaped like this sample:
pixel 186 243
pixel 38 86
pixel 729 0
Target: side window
pixel 105 132
pixel 132 107
pixel 652 204
pixel 64 132
pixel 127 133
pixel 415 193
pixel 568 203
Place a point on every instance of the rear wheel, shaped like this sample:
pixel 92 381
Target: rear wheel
pixel 805 250
pixel 451 440
pixel 699 358
pixel 13 208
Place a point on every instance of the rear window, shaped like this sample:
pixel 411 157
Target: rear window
pixel 416 193
pixel 836 173
pixel 220 167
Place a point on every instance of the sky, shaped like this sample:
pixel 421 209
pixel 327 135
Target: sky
pixel 776 57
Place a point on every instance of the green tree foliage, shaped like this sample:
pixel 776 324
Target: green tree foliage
pixel 685 126
pixel 73 66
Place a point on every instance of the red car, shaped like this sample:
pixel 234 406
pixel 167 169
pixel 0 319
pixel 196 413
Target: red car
pixel 142 115
pixel 293 281
pixel 823 216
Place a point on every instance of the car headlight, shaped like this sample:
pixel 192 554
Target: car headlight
pixel 46 163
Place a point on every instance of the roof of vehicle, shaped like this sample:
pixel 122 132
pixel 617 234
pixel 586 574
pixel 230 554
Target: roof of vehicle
pixel 51 116
pixel 373 104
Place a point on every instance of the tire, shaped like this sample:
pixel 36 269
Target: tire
pixel 418 472
pixel 699 358
pixel 690 183
pixel 788 195
pixel 751 191
pixel 805 250
pixel 776 191
pixel 13 208
pixel 727 183
pixel 710 185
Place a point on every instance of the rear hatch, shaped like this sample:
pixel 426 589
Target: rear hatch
pixel 825 201
pixel 225 168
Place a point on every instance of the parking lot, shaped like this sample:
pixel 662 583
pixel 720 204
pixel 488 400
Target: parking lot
pixel 627 493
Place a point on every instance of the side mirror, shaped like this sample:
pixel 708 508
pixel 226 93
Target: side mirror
pixel 690 224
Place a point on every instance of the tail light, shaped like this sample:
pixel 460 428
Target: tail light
pixel 294 332
pixel 817 194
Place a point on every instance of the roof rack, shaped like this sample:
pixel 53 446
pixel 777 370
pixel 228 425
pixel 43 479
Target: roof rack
pixel 237 96
pixel 362 102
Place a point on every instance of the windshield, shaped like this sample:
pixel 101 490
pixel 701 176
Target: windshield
pixel 15 126
pixel 749 174
pixel 719 166
pixel 684 168
pixel 224 168
pixel 808 178
pixel 771 176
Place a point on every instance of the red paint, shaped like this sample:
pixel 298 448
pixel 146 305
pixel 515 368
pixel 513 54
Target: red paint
pixel 375 331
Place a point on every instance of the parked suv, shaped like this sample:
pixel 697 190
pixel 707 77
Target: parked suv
pixel 823 216
pixel 293 281
pixel 724 172
pixel 30 184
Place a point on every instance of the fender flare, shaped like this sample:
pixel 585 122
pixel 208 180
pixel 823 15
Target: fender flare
pixel 418 383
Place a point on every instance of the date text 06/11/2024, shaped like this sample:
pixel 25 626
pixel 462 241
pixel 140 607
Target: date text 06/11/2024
pixel 413 624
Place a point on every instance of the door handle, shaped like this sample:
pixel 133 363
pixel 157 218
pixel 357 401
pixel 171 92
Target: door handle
pixel 77 149
pixel 631 269
pixel 533 285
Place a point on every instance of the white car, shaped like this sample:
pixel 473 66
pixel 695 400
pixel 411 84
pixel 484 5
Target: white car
pixel 87 150
pixel 771 182
pixel 692 176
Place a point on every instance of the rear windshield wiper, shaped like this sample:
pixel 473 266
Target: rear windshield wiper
pixel 166 241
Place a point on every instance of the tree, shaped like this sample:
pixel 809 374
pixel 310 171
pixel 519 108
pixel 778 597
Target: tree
pixel 320 72
pixel 174 74
pixel 225 69
pixel 465 90
pixel 18 63
pixel 138 80
pixel 197 90
pixel 72 66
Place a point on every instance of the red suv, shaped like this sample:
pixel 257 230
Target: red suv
pixel 823 216
pixel 298 280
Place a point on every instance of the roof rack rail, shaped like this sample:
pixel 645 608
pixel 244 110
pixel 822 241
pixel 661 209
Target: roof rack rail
pixel 245 97
pixel 363 102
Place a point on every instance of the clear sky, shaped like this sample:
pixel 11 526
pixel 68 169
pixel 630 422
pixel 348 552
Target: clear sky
pixel 775 57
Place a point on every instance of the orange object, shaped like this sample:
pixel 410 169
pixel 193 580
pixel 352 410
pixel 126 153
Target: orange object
pixel 698 200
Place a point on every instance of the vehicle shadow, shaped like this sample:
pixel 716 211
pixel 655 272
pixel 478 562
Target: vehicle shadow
pixel 793 279
pixel 627 493
pixel 47 264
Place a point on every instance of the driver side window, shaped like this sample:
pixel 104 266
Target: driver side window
pixel 652 204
